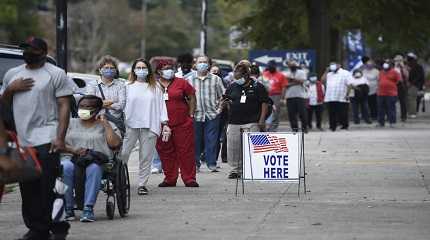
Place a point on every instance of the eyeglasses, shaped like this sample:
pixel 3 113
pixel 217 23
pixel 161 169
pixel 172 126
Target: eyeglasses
pixel 140 68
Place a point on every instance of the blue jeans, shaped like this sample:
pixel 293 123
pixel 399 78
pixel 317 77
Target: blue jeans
pixel 206 140
pixel 387 107
pixel 92 182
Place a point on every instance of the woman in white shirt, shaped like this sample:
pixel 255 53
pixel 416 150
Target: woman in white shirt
pixel 145 118
pixel 360 86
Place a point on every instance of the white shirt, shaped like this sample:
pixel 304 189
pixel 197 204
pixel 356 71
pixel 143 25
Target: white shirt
pixel 372 76
pixel 358 81
pixel 145 107
pixel 313 94
pixel 337 86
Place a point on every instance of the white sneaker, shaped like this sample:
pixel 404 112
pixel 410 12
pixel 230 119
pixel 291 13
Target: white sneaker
pixel 155 170
pixel 413 116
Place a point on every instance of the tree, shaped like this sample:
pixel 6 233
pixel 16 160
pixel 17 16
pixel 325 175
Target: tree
pixel 18 20
pixel 320 24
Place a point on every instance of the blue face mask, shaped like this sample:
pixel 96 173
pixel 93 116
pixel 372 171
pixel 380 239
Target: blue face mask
pixel 141 73
pixel 201 67
pixel 240 81
pixel 108 73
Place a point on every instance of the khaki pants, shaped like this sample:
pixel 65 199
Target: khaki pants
pixel 147 140
pixel 412 100
pixel 234 147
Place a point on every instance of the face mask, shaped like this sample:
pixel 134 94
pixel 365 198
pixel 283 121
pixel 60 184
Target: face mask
pixel 333 67
pixel 84 114
pixel 31 58
pixel 240 81
pixel 293 68
pixel 141 73
pixel 108 73
pixel 271 69
pixel 386 66
pixel 313 79
pixel 167 74
pixel 201 67
pixel 358 75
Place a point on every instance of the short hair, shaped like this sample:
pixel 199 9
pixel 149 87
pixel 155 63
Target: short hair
pixel 185 58
pixel 108 59
pixel 99 101
pixel 365 59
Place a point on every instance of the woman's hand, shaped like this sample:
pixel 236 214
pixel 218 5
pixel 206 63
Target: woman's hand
pixel 107 103
pixel 80 151
pixel 166 133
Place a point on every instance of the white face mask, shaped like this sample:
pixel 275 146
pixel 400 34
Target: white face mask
pixel 358 75
pixel 167 74
pixel 141 73
pixel 386 66
pixel 313 79
pixel 240 81
pixel 333 67
pixel 84 114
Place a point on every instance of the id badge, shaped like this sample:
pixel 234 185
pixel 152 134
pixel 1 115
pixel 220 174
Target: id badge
pixel 166 96
pixel 243 99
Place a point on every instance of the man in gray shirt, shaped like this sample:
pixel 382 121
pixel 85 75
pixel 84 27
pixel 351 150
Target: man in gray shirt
pixel 39 94
pixel 296 96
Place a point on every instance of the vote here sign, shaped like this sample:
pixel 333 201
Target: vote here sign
pixel 271 156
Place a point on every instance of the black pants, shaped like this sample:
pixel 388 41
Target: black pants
pixel 373 106
pixel 38 197
pixel 402 93
pixel 317 109
pixel 338 115
pixel 360 105
pixel 297 106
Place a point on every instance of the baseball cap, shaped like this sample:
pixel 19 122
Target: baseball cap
pixel 412 55
pixel 36 43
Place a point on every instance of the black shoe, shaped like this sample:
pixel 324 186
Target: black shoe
pixel 166 184
pixel 58 236
pixel 142 190
pixel 224 160
pixel 234 175
pixel 192 184
pixel 31 235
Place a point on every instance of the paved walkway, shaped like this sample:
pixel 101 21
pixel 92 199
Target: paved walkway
pixel 365 183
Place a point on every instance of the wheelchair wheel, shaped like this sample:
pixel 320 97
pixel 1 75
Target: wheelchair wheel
pixel 122 189
pixel 110 207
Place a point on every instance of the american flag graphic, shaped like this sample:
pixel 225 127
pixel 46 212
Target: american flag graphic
pixel 267 143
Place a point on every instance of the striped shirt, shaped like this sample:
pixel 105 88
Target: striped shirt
pixel 115 92
pixel 209 90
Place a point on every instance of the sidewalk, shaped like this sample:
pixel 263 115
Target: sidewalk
pixel 365 183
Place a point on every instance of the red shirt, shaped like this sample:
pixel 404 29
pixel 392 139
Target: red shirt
pixel 177 107
pixel 388 82
pixel 277 82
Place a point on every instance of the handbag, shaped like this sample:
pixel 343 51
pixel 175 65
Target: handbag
pixel 119 122
pixel 23 163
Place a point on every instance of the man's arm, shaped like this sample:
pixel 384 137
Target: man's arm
pixel 63 123
pixel 19 85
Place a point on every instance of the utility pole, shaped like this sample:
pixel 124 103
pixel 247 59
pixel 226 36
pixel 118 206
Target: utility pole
pixel 203 31
pixel 143 41
pixel 61 23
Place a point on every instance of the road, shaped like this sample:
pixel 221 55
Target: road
pixel 365 183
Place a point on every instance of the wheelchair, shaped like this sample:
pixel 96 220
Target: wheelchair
pixel 116 186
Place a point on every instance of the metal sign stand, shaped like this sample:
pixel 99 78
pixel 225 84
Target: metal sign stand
pixel 302 167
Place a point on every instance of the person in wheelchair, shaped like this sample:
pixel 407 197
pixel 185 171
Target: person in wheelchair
pixel 90 142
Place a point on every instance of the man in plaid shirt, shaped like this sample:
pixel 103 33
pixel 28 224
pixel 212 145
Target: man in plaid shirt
pixel 209 90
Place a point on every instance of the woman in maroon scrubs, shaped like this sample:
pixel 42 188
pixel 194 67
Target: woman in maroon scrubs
pixel 178 152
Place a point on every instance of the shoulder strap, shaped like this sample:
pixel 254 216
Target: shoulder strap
pixel 101 91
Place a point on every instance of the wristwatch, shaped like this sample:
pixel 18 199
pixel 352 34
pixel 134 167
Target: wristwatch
pixel 4 151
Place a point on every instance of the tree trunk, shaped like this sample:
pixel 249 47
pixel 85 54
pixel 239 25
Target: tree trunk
pixel 319 29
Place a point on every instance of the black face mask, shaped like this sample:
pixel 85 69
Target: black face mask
pixel 32 58
pixel 271 69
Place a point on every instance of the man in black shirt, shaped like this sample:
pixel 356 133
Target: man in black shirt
pixel 415 84
pixel 248 102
